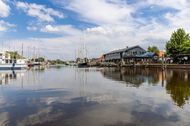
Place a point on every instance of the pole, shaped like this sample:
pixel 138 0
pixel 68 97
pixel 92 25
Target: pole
pixel 22 50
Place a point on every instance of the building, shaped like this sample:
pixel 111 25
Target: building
pixel 126 54
pixel 146 57
pixel 114 56
pixel 161 54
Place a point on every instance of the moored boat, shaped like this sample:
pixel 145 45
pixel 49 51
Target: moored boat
pixel 7 63
pixel 82 62
pixel 82 65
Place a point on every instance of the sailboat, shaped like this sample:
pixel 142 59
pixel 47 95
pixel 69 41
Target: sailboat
pixel 35 60
pixel 82 60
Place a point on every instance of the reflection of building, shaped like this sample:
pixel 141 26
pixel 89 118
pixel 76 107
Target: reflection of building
pixel 132 77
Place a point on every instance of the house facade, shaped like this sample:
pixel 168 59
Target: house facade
pixel 114 56
pixel 133 52
pixel 124 55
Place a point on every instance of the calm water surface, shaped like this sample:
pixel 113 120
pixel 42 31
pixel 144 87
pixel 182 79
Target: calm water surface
pixel 95 97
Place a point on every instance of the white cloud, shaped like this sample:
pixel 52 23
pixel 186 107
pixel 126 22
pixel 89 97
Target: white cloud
pixel 177 4
pixel 4 9
pixel 61 29
pixel 101 11
pixel 116 26
pixel 31 28
pixel 39 11
pixel 4 26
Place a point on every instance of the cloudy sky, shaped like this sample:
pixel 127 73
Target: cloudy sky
pixel 57 28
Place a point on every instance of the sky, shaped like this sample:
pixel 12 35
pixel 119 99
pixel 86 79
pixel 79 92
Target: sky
pixel 59 28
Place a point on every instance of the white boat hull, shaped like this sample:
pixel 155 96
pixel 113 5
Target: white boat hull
pixel 12 67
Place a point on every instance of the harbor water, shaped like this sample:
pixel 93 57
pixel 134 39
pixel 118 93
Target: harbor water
pixel 67 96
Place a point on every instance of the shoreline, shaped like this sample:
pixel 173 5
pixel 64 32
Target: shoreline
pixel 161 66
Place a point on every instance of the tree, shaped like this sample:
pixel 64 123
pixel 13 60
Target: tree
pixel 41 59
pixel 178 40
pixel 185 47
pixel 14 55
pixel 153 49
pixel 57 61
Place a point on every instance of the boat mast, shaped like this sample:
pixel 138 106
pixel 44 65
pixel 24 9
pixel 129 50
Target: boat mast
pixel 22 51
pixel 84 45
pixel 34 54
pixel 28 52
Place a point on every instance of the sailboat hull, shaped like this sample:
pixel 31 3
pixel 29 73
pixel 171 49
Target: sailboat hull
pixel 82 65
pixel 11 67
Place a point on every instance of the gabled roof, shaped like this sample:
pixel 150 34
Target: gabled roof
pixel 137 46
pixel 124 50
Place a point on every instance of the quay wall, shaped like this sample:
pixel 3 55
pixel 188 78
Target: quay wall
pixel 165 66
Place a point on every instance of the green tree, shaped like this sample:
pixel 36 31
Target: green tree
pixel 14 55
pixel 57 61
pixel 178 42
pixel 41 59
pixel 153 49
pixel 185 47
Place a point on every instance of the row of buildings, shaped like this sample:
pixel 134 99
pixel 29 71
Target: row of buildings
pixel 131 55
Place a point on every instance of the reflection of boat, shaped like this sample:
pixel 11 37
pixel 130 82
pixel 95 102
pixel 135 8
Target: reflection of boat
pixel 7 75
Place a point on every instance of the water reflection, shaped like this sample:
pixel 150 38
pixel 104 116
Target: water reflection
pixel 47 107
pixel 134 77
pixel 7 76
pixel 178 85
pixel 177 82
pixel 80 97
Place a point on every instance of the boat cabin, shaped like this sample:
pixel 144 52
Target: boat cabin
pixel 5 58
